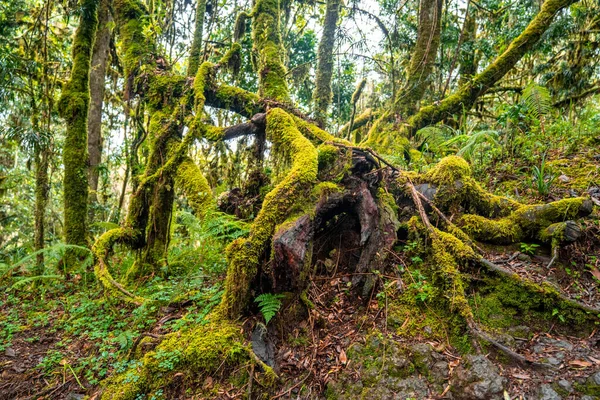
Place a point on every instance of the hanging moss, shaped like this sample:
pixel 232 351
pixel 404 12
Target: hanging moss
pixel 74 106
pixel 244 255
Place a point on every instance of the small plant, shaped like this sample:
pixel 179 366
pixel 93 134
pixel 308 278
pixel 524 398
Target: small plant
pixel 269 305
pixel 541 181
pixel 421 286
pixel 529 248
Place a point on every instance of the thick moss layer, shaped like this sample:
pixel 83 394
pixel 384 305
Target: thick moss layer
pixel 74 107
pixel 245 255
pixel 267 44
pixel 202 350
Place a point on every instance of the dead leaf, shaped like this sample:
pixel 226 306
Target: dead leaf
pixel 521 376
pixel 595 272
pixel 595 360
pixel 580 363
pixel 343 357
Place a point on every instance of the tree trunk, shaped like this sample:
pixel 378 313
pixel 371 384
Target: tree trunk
pixel 467 59
pixel 422 59
pixel 42 188
pixel 194 59
pixel 322 94
pixel 465 97
pixel 74 107
pixel 100 57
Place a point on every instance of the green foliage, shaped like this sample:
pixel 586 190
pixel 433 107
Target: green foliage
pixel 541 180
pixel 537 99
pixel 269 304
pixel 529 248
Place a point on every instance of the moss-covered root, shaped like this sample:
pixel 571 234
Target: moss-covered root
pixel 456 187
pixel 74 106
pixel 102 249
pixel 195 187
pixel 204 349
pixel 527 222
pixel 244 255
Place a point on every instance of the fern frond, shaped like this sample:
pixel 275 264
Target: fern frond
pixel 476 140
pixel 537 99
pixel 269 305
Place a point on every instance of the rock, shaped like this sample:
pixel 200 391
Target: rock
pixel 75 396
pixel 553 361
pixel 10 352
pixel 262 346
pixel 523 257
pixel 594 379
pixel 545 392
pixel 586 397
pixel 563 178
pixel 565 385
pixel 477 378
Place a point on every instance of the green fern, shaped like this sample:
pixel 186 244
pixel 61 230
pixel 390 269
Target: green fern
pixel 433 139
pixel 537 99
pixel 477 140
pixel 269 305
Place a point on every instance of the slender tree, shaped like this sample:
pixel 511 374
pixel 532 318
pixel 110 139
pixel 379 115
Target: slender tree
pixel 322 94
pixel 74 107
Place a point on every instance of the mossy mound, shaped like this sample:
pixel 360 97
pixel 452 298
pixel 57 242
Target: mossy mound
pixel 193 354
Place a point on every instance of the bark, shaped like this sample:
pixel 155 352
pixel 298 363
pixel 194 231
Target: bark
pixel 322 94
pixel 422 58
pixel 100 56
pixel 74 106
pixel 465 97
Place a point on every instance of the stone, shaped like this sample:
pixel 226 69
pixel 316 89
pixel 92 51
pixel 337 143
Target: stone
pixel 553 361
pixel 594 379
pixel 563 178
pixel 523 257
pixel 477 378
pixel 545 392
pixel 565 385
pixel 10 352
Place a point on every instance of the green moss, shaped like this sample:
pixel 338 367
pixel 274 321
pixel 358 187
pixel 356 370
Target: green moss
pixel 527 221
pixel 267 45
pixel 449 170
pixel 201 350
pixel 73 107
pixel 162 89
pixel 195 186
pixel 196 48
pixel 328 154
pixel 244 255
pixel 581 172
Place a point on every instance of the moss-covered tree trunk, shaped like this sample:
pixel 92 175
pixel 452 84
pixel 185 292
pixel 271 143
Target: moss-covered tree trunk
pixel 196 48
pixel 465 97
pixel 322 94
pixel 422 59
pixel 100 57
pixel 74 107
pixel 467 57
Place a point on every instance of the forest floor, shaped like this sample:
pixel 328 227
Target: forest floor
pixel 61 340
